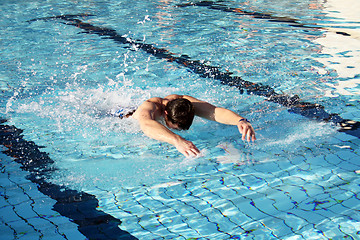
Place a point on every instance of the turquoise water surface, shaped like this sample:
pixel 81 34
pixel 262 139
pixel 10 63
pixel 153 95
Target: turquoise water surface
pixel 59 81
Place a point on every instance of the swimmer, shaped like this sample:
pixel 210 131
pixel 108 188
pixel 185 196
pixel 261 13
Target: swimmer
pixel 177 112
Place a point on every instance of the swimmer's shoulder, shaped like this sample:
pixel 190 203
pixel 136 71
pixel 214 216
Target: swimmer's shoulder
pixel 154 100
pixel 173 96
pixel 150 106
pixel 157 100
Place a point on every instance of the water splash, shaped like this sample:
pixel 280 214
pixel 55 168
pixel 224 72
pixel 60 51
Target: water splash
pixel 304 132
pixel 80 134
pixel 80 107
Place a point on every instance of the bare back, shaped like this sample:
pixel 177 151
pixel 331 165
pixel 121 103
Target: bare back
pixel 153 108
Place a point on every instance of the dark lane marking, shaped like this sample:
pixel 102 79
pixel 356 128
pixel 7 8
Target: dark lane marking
pixel 294 103
pixel 238 11
pixel 266 16
pixel 79 207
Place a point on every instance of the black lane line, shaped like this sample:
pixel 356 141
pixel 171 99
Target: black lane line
pixel 266 16
pixel 78 206
pixel 294 103
pixel 239 11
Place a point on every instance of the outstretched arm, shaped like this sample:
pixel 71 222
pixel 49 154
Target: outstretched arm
pixel 224 116
pixel 153 129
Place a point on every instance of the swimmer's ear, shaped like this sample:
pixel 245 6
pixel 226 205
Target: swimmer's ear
pixel 166 114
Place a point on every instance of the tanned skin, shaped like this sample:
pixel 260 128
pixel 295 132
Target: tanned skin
pixel 150 113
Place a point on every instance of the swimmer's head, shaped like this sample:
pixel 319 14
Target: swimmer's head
pixel 179 114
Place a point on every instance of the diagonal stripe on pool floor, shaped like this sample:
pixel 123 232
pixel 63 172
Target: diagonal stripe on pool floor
pixel 80 207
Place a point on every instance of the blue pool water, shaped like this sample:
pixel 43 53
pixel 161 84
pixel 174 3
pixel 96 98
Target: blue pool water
pixel 69 170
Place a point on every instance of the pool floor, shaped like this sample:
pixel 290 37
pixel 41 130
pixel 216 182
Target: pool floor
pixel 69 171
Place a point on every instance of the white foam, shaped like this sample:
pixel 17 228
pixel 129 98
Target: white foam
pixel 89 146
pixel 302 132
pixel 77 107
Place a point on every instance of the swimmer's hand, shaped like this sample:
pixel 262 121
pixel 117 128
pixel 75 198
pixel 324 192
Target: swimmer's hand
pixel 186 147
pixel 246 130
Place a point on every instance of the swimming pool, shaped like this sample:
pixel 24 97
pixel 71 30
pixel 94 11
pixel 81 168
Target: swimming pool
pixel 69 170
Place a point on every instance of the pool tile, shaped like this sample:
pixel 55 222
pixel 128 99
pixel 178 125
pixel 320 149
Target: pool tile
pixel 65 226
pixel 9 215
pixel 256 229
pixel 285 205
pixel 248 209
pixel 24 210
pixel 294 180
pixel 267 167
pixel 237 217
pixel 6 232
pixel 203 226
pixel 327 214
pixel 309 232
pixel 225 224
pixel 310 216
pixel 285 165
pixel 349 156
pixel 345 137
pixel 333 159
pixel 24 230
pixel 350 167
pixel 48 229
pixel 294 222
pixel 352 187
pixel 295 193
pixel 43 206
pixel 160 231
pixel 178 225
pixel 352 203
pixel 320 161
pixel 278 226
pixel 265 205
pixel 330 228
pixel 313 190
pixel 3 200
pixel 195 206
pixel 350 228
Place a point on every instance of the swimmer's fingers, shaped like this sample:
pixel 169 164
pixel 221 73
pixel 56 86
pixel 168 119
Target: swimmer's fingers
pixel 187 148
pixel 251 135
pixel 247 131
pixel 193 151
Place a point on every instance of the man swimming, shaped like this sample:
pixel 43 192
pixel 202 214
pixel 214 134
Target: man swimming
pixel 178 111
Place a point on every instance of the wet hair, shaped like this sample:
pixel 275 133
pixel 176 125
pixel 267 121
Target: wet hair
pixel 180 112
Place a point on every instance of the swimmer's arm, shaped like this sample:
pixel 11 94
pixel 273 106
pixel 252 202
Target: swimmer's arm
pixel 157 131
pixel 222 115
pixel 225 116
